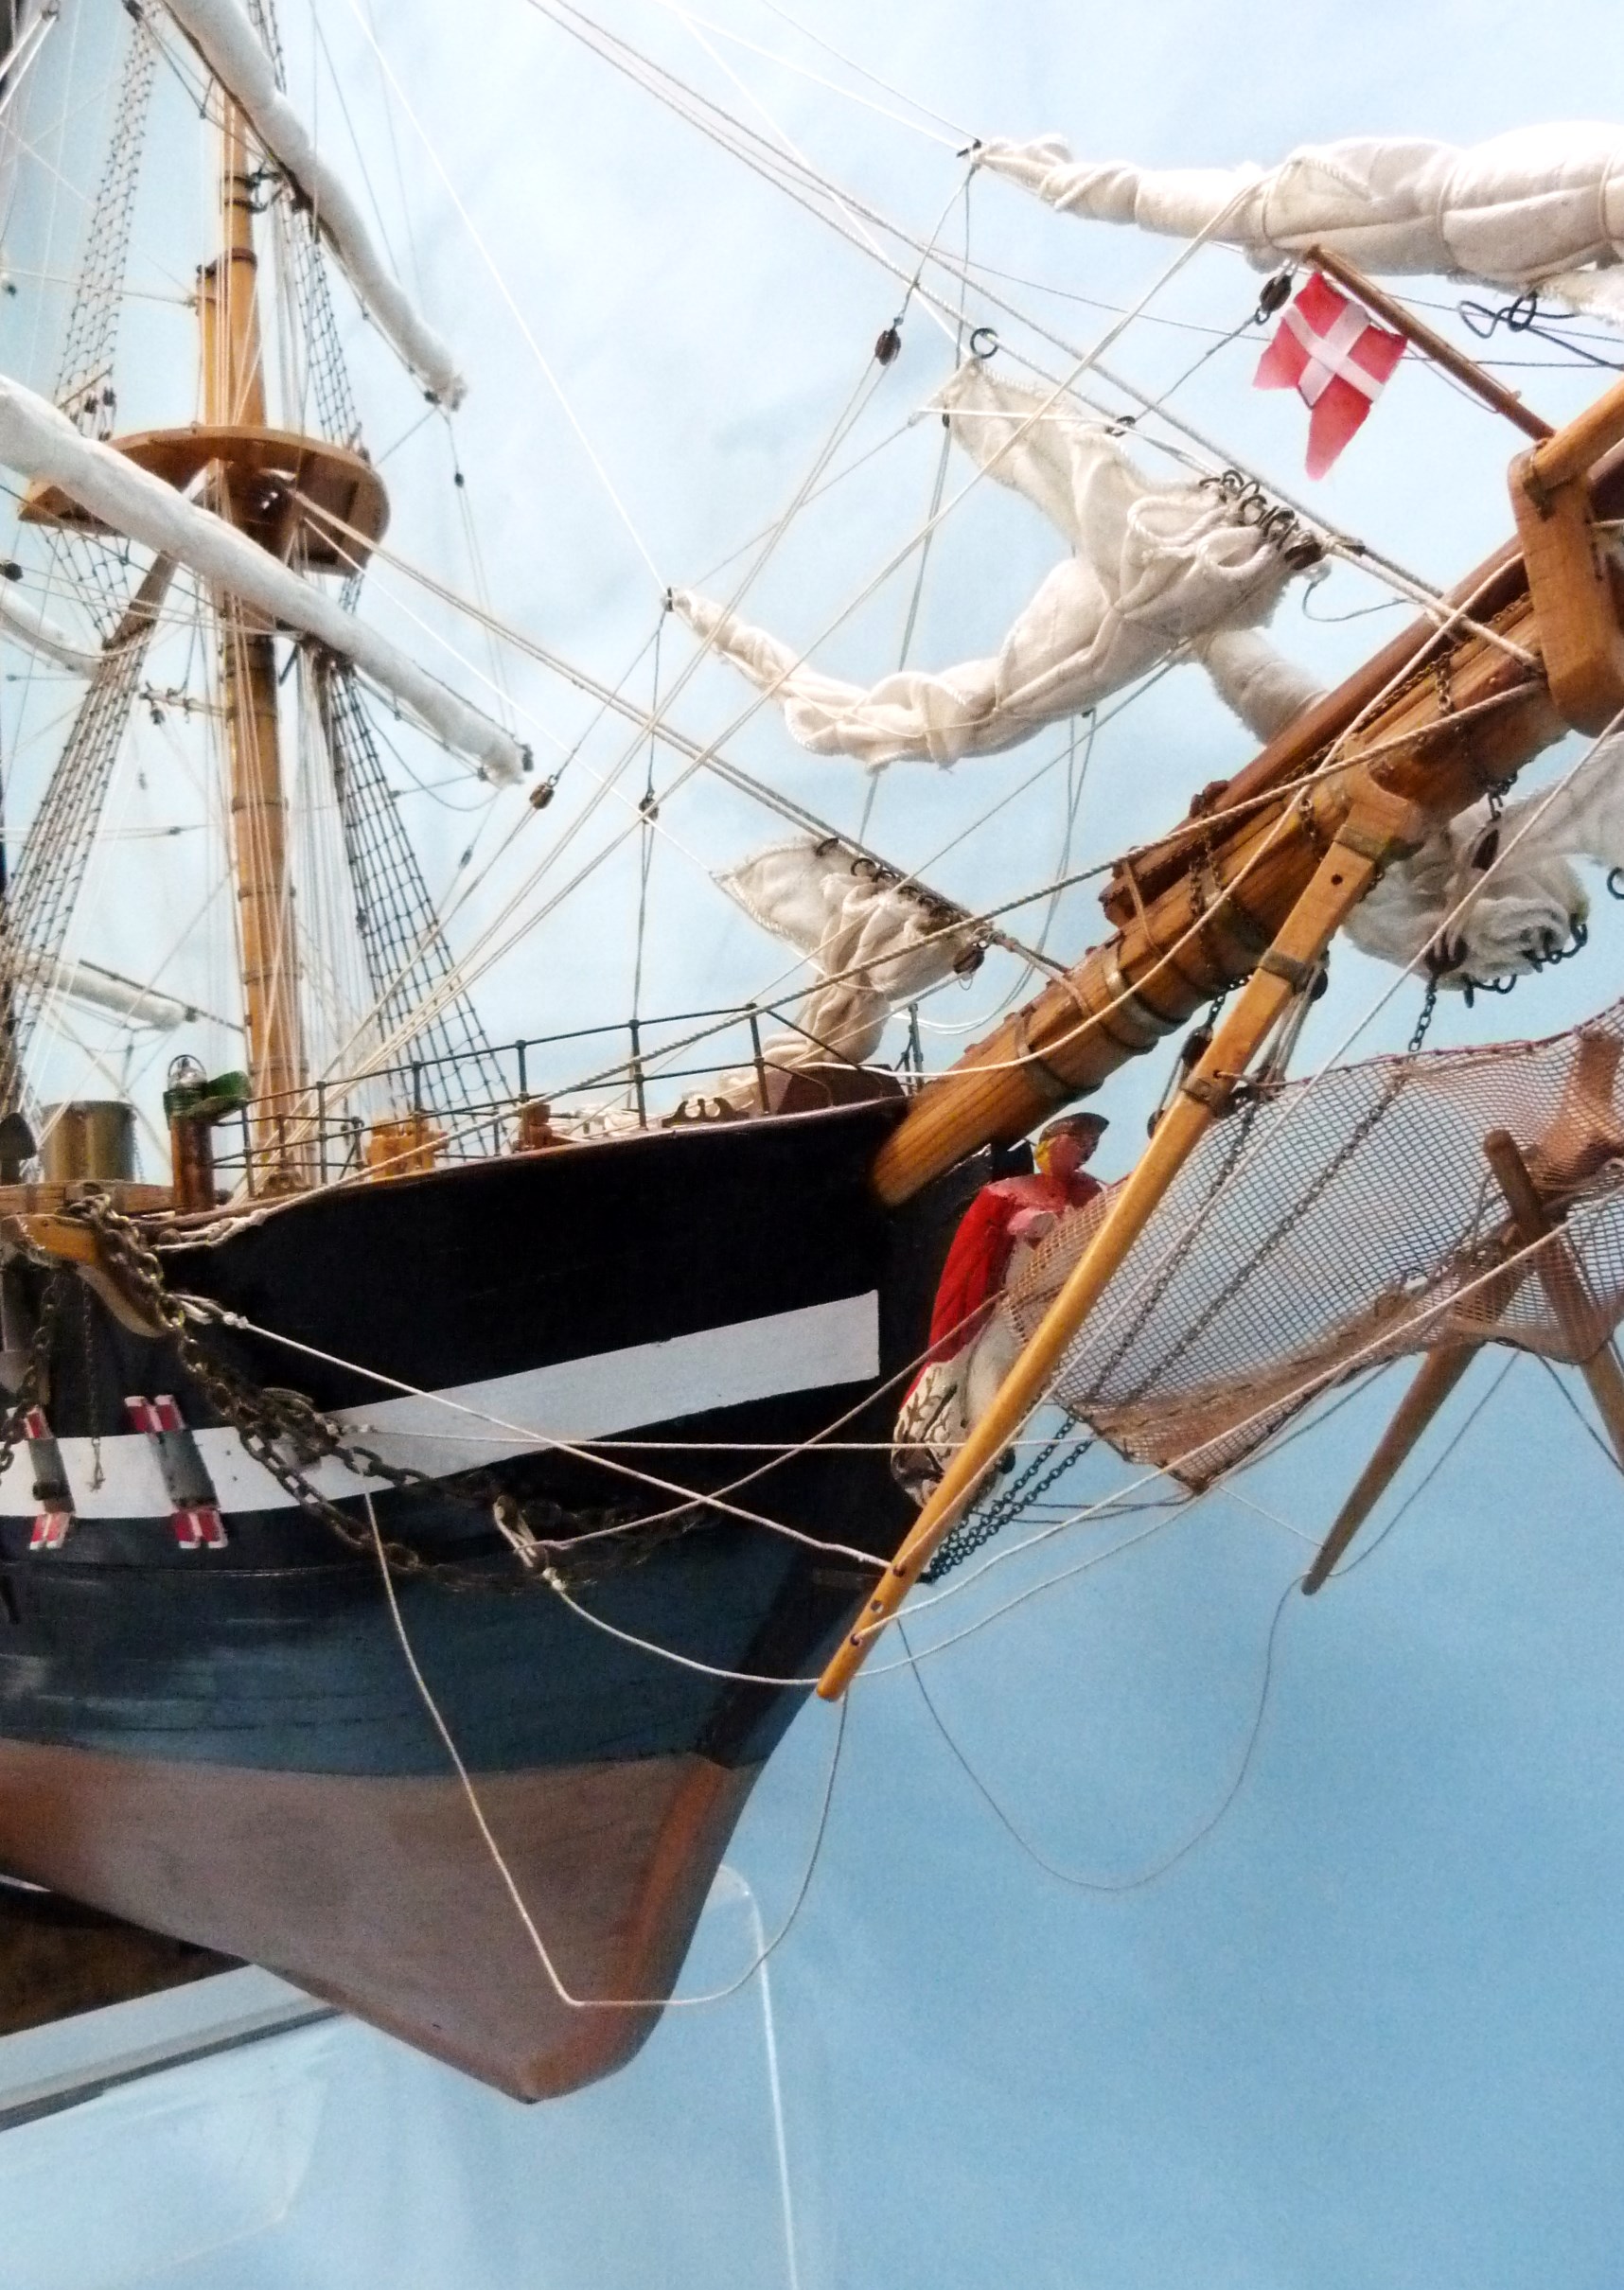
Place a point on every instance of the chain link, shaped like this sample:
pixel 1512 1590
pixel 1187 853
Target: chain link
pixel 288 1433
pixel 964 1539
pixel 1429 1004
pixel 14 1422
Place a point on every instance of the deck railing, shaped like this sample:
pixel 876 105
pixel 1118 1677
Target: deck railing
pixel 590 1081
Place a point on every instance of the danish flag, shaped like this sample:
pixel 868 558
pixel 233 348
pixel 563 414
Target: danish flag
pixel 1337 357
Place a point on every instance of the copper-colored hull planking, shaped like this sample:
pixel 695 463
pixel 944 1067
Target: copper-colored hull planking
pixel 380 1895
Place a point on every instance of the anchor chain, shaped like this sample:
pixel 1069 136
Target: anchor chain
pixel 288 1433
pixel 13 1423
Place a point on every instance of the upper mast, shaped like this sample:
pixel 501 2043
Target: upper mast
pixel 234 402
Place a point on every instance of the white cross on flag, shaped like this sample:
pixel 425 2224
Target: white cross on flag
pixel 1337 360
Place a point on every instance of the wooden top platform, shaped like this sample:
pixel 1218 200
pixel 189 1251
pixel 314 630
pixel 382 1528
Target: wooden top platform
pixel 41 1200
pixel 277 480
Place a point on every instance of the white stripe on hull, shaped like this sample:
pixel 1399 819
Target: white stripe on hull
pixel 573 1400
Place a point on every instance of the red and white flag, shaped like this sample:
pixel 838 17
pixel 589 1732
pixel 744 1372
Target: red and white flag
pixel 1337 357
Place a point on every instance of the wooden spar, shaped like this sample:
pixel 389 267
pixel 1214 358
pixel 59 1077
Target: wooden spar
pixel 1436 1377
pixel 1378 826
pixel 1579 445
pixel 1570 580
pixel 1196 910
pixel 234 397
pixel 1205 929
pixel 1570 567
pixel 1426 777
pixel 1432 344
pixel 1584 1134
pixel 1562 1280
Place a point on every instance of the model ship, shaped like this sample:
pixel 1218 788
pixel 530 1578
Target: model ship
pixel 426 1510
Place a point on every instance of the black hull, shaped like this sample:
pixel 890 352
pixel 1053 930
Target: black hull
pixel 188 1734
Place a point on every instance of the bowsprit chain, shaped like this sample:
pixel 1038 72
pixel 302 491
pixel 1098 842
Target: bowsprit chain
pixel 287 1433
pixel 964 1540
pixel 1423 1023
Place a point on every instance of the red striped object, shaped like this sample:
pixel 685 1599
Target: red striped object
pixel 1339 361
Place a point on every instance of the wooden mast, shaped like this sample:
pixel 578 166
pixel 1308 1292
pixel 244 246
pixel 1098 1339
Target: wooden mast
pixel 234 398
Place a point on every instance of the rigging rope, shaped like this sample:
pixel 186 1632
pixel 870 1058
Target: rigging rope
pixel 549 375
pixel 1168 1861
pixel 873 78
pixel 982 1523
pixel 1352 1566
pixel 510 1884
pixel 409 965
pixel 752 152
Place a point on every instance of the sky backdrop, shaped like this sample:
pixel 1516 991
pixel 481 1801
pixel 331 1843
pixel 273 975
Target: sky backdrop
pixel 1369 2035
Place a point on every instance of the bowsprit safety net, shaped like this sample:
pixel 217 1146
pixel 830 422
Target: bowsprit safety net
pixel 1338 1221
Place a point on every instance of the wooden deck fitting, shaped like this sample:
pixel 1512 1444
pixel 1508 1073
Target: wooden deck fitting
pixel 1573 576
pixel 283 488
pixel 1559 1272
pixel 1436 1377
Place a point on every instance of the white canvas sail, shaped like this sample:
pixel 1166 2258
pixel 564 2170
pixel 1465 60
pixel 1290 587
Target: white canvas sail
pixel 1474 925
pixel 1541 207
pixel 38 633
pixel 233 53
pixel 105 990
pixel 1254 680
pixel 1155 568
pixel 40 442
pixel 876 943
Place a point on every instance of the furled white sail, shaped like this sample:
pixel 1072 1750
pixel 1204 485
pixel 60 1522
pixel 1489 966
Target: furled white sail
pixel 38 633
pixel 1155 568
pixel 873 941
pixel 1541 207
pixel 233 53
pixel 38 442
pixel 106 990
pixel 1263 688
pixel 1521 896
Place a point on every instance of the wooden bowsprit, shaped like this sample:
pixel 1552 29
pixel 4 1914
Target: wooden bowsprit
pixel 1378 828
pixel 1569 607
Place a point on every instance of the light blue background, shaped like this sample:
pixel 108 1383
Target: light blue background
pixel 1368 2035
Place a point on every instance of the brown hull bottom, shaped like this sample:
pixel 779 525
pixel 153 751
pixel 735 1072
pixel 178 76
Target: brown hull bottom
pixel 380 1895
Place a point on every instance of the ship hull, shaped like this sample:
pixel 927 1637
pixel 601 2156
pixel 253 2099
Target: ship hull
pixel 380 1895
pixel 229 1744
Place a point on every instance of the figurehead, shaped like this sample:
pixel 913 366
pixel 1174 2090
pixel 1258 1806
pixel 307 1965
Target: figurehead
pixel 1067 1144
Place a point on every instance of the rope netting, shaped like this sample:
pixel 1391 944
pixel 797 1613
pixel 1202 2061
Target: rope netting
pixel 1337 1222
